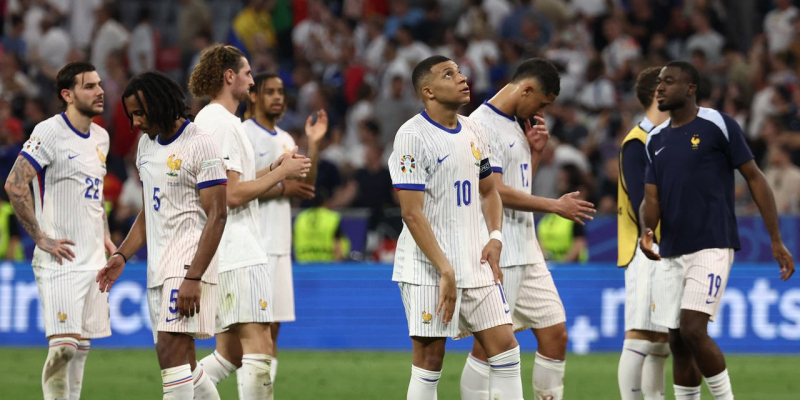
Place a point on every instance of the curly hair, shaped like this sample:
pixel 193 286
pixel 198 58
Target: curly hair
pixel 164 98
pixel 207 76
pixel 646 84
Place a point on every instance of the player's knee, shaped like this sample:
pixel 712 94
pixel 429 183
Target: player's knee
pixel 692 334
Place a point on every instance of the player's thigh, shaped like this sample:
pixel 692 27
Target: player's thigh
pixel 283 296
pixel 486 314
pixel 245 296
pixel 255 337
pixel 428 352
pixel 707 274
pixel 668 278
pixel 639 276
pixel 174 349
pixel 62 295
pixel 96 321
pixel 420 303
pixel 537 304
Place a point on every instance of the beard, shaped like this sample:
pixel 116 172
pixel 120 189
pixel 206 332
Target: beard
pixel 671 106
pixel 86 109
pixel 273 115
pixel 242 96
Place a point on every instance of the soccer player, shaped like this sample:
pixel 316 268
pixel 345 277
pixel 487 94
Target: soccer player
pixel 244 309
pixel 182 220
pixel 689 183
pixel 265 107
pixel 66 219
pixel 450 287
pixel 645 349
pixel 529 288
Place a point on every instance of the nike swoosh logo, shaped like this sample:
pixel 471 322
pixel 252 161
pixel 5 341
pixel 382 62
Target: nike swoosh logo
pixel 636 390
pixel 172 319
pixel 711 302
pixel 262 154
pixel 660 150
pixel 226 158
pixel 143 163
pixel 71 157
pixel 512 144
pixel 443 158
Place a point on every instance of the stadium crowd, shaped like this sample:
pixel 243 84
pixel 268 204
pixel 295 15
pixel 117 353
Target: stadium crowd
pixel 353 58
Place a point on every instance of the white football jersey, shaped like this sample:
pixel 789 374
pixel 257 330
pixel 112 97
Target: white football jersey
pixel 275 215
pixel 68 191
pixel 512 158
pixel 241 244
pixel 172 174
pixel 446 165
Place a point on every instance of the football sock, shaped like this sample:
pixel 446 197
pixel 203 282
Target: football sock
pixel 505 381
pixel 204 389
pixel 216 367
pixel 475 379
pixel 76 369
pixel 177 383
pixel 55 383
pixel 629 372
pixel 423 384
pixel 686 392
pixel 254 377
pixel 653 376
pixel 720 386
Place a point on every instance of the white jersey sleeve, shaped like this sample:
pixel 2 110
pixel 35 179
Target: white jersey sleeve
pixel 512 158
pixel 409 163
pixel 68 190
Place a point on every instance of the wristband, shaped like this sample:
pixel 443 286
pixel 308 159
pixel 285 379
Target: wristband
pixel 121 255
pixel 191 279
pixel 497 235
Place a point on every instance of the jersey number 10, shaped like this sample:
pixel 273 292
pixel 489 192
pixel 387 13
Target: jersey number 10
pixel 463 192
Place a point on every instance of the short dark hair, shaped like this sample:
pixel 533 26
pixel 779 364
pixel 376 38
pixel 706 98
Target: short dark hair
pixel 423 69
pixel 544 71
pixel 66 77
pixel 258 84
pixel 165 100
pixel 646 84
pixel 688 69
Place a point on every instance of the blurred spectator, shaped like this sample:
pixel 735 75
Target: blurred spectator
pixel 318 235
pixel 358 113
pixel 394 109
pixel 778 25
pixel 402 14
pixel 563 239
pixel 431 29
pixel 13 42
pixel 374 185
pixel 598 92
pixel 142 50
pixel 194 17
pixel 374 43
pixel 410 51
pixel 253 26
pixel 53 48
pixel 13 82
pixel 784 179
pixel 111 36
pixel 309 34
pixel 706 39
pixel 621 49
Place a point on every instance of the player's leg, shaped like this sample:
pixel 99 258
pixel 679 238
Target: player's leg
pixel 475 376
pixel 176 358
pixel 274 329
pixel 654 368
pixel 96 324
pixel 548 371
pixel 706 278
pixel 426 368
pixel 485 311
pixel 282 304
pixel 226 358
pixel 253 377
pixel 686 376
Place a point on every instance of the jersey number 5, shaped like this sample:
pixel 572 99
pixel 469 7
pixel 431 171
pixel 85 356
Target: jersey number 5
pixel 156 199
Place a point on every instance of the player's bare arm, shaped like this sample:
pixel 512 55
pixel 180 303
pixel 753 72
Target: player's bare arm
pixel 19 194
pixel 537 136
pixel 649 214
pixel 109 245
pixel 492 207
pixel 765 200
pixel 136 239
pixel 411 202
pixel 212 200
pixel 315 132
pixel 240 193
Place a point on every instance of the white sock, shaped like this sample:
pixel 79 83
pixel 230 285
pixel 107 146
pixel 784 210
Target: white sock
pixel 76 369
pixel 216 367
pixel 254 377
pixel 653 376
pixel 686 392
pixel 548 378
pixel 177 383
pixel 204 389
pixel 505 381
pixel 720 386
pixel 273 369
pixel 55 375
pixel 629 372
pixel 423 384
pixel 475 379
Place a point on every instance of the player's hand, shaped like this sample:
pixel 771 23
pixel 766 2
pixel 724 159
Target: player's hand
pixel 491 255
pixel 574 209
pixel 298 190
pixel 316 131
pixel 111 248
pixel 110 273
pixel 785 260
pixel 295 166
pixel 537 135
pixel 447 295
pixel 189 298
pixel 646 244
pixel 57 247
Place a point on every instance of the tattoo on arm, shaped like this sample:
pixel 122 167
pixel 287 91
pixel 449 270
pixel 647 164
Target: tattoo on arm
pixel 19 194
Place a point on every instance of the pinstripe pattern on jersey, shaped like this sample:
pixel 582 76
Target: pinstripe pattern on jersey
pixel 275 215
pixel 533 297
pixel 241 244
pixel 511 157
pixel 172 175
pixel 688 282
pixel 72 303
pixel 162 319
pixel 439 161
pixel 68 194
pixel 245 296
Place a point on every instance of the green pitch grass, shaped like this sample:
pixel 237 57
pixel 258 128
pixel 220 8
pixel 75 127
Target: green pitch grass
pixel 134 374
